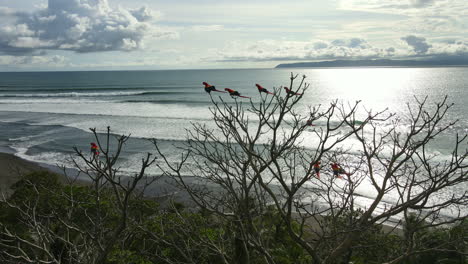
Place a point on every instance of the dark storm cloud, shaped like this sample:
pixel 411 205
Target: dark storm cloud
pixel 418 44
pixel 76 25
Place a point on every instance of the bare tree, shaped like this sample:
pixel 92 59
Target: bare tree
pixel 93 222
pixel 253 164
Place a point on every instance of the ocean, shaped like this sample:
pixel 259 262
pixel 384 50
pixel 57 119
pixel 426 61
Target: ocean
pixel 43 115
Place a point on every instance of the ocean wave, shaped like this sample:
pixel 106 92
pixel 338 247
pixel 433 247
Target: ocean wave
pixel 74 94
pixel 101 88
pixel 168 101
pixel 49 100
pixel 77 94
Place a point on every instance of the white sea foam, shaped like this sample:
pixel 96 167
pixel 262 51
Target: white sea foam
pixel 74 94
pixel 178 111
pixel 48 157
pixel 17 102
pixel 21 138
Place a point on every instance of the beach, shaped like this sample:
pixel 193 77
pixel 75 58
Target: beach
pixel 12 168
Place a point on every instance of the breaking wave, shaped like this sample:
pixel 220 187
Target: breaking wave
pixel 75 94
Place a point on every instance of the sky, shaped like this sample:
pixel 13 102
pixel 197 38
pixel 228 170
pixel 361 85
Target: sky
pixel 210 34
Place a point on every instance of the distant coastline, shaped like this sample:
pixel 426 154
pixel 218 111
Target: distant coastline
pixel 375 63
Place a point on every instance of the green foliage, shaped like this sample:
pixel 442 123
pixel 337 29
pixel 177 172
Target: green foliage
pixel 52 205
pixel 157 235
pixel 126 257
pixel 446 243
pixel 37 189
pixel 372 245
pixel 178 229
pixel 283 248
pixel 376 247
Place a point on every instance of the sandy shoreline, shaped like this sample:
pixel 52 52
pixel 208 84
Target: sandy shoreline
pixel 12 168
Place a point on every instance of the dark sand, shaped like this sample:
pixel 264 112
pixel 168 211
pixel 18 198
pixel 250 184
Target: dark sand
pixel 13 168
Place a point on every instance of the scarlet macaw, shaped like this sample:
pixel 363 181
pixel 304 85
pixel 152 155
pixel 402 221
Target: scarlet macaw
pixel 289 92
pixel 209 88
pixel 234 93
pixel 262 90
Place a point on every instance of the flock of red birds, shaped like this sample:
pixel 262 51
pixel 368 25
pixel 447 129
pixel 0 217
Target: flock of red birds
pixel 210 88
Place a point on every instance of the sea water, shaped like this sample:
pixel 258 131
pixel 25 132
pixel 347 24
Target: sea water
pixel 43 115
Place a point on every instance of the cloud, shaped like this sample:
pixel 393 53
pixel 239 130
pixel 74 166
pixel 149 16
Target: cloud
pixel 80 26
pixel 385 5
pixel 275 50
pixel 407 17
pixel 421 3
pixel 418 11
pixel 351 43
pixel 207 28
pixel 21 61
pixel 419 45
pixel 144 14
pixel 449 49
pixel 5 11
pixel 351 48
pixel 320 45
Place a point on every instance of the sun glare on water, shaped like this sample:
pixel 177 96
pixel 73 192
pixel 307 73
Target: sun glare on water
pixel 375 87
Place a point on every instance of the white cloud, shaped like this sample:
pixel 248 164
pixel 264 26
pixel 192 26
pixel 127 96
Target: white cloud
pixel 413 8
pixel 456 48
pixel 207 28
pixel 144 14
pixel 385 5
pixel 22 61
pixel 80 26
pixel 430 16
pixel 353 48
pixel 275 50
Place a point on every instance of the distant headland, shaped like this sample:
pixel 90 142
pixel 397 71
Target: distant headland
pixel 375 63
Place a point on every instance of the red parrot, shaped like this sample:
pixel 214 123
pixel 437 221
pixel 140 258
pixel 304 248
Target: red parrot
pixel 261 89
pixel 210 88
pixel 94 149
pixel 289 92
pixel 234 93
pixel 337 170
pixel 317 169
pixel 309 123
